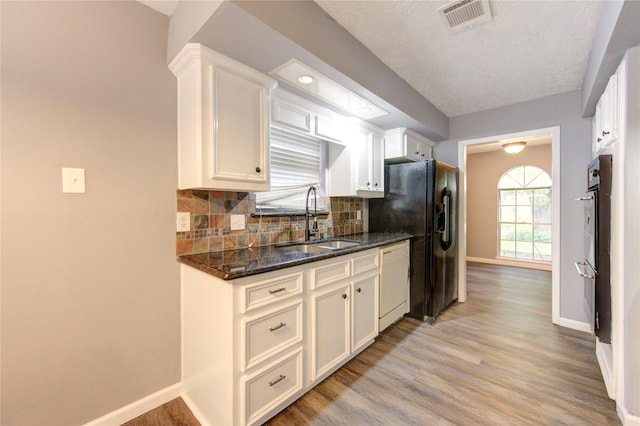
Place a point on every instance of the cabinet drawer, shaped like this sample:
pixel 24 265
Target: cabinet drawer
pixel 269 291
pixel 330 273
pixel 265 335
pixel 365 263
pixel 263 391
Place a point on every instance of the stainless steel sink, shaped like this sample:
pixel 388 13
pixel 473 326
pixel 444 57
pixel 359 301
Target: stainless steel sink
pixel 319 246
pixel 306 248
pixel 336 244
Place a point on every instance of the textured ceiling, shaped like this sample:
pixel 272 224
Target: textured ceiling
pixel 530 49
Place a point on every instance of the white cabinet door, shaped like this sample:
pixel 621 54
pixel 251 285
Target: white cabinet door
pixel 405 145
pixel 377 165
pixel 223 122
pixel 364 159
pixel 330 329
pixel 369 164
pixel 605 120
pixel 364 311
pixel 240 144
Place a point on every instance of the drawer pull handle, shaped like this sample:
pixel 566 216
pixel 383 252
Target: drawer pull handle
pixel 277 327
pixel 278 380
pixel 278 290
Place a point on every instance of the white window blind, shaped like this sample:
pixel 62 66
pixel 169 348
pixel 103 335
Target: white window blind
pixel 297 162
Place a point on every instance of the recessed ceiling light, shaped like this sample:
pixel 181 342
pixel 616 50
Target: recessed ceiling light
pixel 301 76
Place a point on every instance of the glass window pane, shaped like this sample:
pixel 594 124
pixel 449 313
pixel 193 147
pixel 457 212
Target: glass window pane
pixel 507 181
pixel 524 214
pixel 507 214
pixel 507 231
pixel 524 197
pixel 542 196
pixel 524 250
pixel 542 214
pixel 542 233
pixel 542 251
pixel 517 175
pixel 543 179
pixel 524 232
pixel 531 173
pixel 507 197
pixel 507 248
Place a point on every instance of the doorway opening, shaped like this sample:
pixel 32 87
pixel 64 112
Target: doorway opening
pixel 465 147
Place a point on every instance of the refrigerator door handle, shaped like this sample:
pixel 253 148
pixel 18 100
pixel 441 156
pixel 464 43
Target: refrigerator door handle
pixel 444 221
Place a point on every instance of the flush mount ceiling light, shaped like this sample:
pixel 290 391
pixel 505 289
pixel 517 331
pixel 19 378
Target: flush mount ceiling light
pixel 514 147
pixel 311 81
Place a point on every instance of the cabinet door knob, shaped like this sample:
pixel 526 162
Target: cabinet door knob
pixel 417 152
pixel 376 184
pixel 598 139
pixel 258 169
pixel 344 296
pixel 359 290
pixel 368 183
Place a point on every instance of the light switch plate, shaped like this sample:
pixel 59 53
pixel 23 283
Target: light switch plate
pixel 73 181
pixel 237 222
pixel 183 222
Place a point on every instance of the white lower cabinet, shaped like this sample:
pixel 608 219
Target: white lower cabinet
pixel 253 345
pixel 330 329
pixel 344 311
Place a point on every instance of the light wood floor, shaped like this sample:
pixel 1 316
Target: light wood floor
pixel 495 360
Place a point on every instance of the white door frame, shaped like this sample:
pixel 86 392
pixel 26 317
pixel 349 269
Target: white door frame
pixel 555 200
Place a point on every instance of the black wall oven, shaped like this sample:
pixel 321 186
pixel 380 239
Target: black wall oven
pixel 596 266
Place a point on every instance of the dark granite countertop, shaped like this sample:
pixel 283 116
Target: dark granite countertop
pixel 232 264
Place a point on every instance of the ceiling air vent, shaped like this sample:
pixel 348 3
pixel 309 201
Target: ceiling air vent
pixel 463 14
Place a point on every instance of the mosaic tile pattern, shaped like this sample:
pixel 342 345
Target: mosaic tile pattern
pixel 211 222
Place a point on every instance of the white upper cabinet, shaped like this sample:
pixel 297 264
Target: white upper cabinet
pixel 357 169
pixel 605 120
pixel 402 145
pixel 292 112
pixel 223 122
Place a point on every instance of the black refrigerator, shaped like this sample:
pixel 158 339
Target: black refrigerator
pixel 420 198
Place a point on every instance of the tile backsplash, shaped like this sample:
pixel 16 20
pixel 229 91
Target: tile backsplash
pixel 211 222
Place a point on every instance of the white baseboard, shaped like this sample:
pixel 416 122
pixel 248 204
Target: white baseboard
pixel 507 262
pixel 139 407
pixel 605 361
pixel 194 410
pixel 626 418
pixel 574 325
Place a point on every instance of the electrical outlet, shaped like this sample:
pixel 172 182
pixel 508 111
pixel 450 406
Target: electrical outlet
pixel 183 222
pixel 73 180
pixel 358 214
pixel 237 222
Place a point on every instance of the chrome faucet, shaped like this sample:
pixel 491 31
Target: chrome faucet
pixel 308 233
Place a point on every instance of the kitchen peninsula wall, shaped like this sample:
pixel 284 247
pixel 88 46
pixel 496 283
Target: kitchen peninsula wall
pixel 211 222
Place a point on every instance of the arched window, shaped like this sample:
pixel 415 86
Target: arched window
pixel 524 214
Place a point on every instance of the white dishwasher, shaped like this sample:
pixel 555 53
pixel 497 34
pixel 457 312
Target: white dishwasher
pixel 394 283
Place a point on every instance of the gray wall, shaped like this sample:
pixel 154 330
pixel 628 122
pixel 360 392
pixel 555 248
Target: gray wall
pixel 562 110
pixel 483 172
pixel 631 281
pixel 90 286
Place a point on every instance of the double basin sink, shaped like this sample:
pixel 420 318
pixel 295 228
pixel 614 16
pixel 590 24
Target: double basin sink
pixel 319 246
